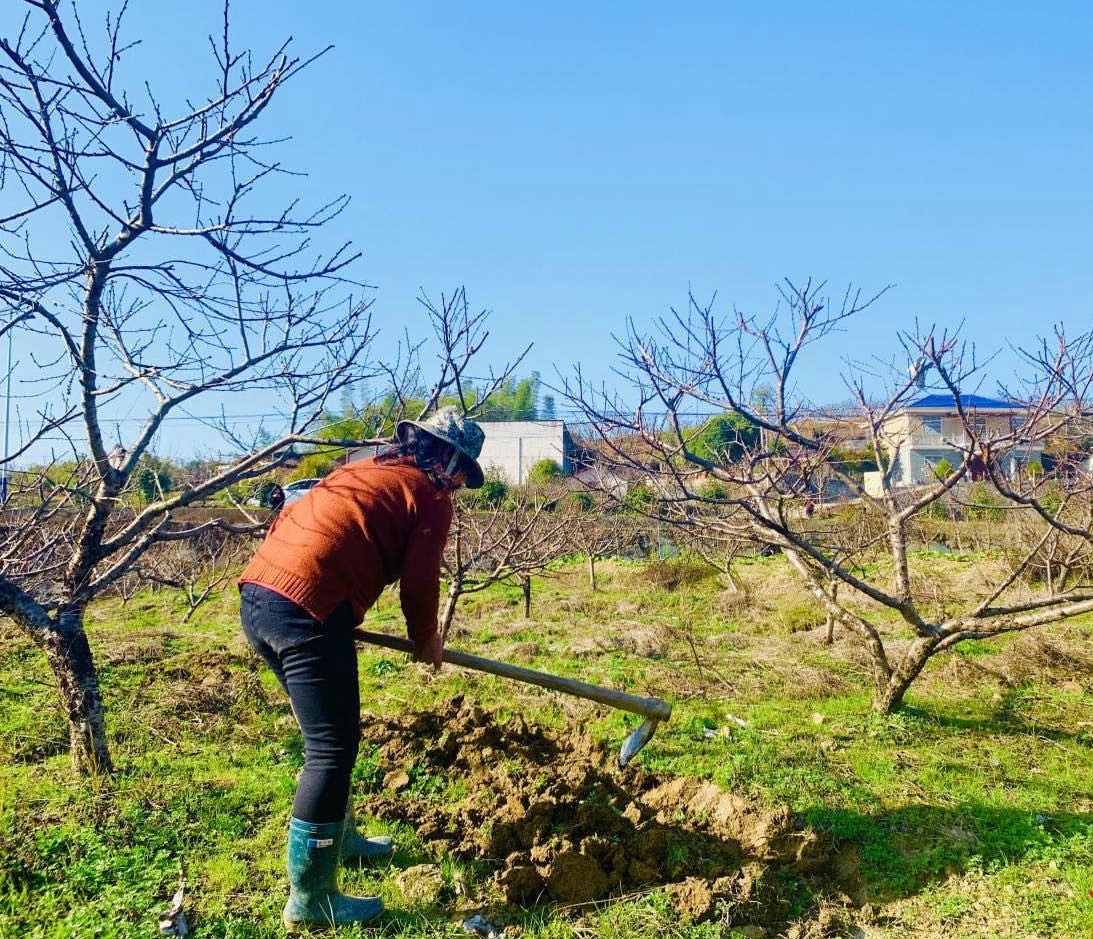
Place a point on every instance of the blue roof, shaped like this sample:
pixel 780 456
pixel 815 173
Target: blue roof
pixel 969 402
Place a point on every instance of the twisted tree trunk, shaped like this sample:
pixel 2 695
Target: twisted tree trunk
pixel 69 655
pixel 889 697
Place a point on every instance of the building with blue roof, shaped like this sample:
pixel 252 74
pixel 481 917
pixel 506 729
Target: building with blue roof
pixel 930 431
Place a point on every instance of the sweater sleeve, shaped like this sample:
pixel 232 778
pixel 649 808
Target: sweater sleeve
pixel 419 587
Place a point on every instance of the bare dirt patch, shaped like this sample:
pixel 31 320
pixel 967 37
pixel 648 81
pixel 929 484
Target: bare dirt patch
pixel 210 687
pixel 561 823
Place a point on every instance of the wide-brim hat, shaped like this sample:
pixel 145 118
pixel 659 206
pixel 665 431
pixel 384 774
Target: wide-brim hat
pixel 461 432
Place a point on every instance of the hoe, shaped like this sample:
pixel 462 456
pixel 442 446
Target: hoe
pixel 654 710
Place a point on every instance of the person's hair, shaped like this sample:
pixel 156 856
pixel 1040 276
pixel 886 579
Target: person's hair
pixel 429 454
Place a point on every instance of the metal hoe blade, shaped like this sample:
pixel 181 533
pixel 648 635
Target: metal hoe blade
pixel 638 739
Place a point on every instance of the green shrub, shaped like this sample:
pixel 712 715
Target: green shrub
pixel 153 483
pixel 1052 500
pixel 318 463
pixel 581 500
pixel 544 472
pixel 939 509
pixel 493 492
pixel 853 462
pixel 982 504
pixel 640 498
pixel 725 438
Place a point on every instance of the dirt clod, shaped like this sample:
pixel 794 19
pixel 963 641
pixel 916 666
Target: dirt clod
pixel 560 822
pixel 576 878
pixel 396 781
pixel 421 883
pixel 521 882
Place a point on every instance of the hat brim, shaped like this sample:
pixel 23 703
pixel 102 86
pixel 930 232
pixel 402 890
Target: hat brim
pixel 473 472
pixel 475 476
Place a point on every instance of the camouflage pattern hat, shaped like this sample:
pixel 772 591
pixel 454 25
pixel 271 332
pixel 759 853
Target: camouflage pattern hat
pixel 461 432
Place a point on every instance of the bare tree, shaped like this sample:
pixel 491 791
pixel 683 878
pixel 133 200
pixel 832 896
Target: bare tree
pixel 504 543
pixel 1049 556
pixel 862 573
pixel 592 528
pixel 719 547
pixel 198 566
pixel 144 269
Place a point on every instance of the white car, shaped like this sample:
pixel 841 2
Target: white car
pixel 299 487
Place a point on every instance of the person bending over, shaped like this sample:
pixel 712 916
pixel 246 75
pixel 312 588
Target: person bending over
pixel 325 561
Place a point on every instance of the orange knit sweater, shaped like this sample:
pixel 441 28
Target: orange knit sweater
pixel 363 527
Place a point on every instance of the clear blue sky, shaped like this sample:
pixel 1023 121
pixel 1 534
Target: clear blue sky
pixel 575 164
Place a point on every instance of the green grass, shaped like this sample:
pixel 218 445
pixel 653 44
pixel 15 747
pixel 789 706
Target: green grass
pixel 972 807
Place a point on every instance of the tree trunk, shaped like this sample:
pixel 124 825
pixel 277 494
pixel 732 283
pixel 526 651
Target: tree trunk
pixel 889 698
pixel 69 655
pixel 455 589
pixel 527 597
pixel 829 638
pixel 592 571
pixel 734 584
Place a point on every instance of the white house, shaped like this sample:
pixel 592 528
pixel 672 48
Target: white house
pixel 512 448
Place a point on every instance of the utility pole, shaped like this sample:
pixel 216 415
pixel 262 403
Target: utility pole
pixel 7 427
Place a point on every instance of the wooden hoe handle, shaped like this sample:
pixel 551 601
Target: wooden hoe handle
pixel 653 708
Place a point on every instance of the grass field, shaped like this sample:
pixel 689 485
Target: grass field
pixel 970 811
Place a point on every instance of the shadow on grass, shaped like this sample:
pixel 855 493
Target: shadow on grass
pixel 908 849
pixel 1001 723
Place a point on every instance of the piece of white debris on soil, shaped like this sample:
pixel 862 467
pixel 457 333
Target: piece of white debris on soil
pixel 173 922
pixel 709 733
pixel 481 926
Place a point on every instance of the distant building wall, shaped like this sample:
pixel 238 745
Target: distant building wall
pixel 512 448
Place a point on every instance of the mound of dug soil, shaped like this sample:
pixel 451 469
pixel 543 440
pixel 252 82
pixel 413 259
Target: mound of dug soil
pixel 563 823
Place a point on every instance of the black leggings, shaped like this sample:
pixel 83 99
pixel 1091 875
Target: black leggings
pixel 316 664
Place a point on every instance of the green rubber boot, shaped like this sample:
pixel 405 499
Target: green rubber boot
pixel 356 849
pixel 314 901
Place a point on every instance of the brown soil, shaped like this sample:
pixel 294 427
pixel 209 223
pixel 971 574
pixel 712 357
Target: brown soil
pixel 561 822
